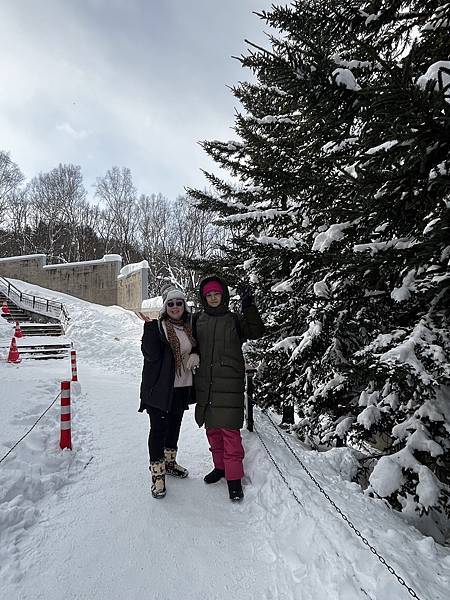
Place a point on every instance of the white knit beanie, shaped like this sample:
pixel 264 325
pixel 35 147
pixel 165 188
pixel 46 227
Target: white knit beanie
pixel 173 293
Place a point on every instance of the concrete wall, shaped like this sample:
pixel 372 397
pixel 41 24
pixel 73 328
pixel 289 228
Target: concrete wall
pixel 95 281
pixel 26 268
pixel 100 281
pixel 132 288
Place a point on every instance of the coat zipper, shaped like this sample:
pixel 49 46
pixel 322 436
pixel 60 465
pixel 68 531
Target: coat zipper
pixel 211 364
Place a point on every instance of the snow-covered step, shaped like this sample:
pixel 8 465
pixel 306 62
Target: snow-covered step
pixel 45 329
pixel 40 347
pixel 13 317
pixel 43 352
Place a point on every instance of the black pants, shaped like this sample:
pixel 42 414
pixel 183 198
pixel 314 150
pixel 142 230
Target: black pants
pixel 165 426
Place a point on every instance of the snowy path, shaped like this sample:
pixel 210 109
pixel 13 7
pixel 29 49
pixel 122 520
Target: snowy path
pixel 79 528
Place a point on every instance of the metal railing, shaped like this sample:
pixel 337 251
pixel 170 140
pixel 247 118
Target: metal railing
pixel 36 304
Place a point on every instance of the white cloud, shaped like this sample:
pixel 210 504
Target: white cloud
pixel 67 128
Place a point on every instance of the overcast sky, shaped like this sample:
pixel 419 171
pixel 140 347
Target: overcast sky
pixel 133 83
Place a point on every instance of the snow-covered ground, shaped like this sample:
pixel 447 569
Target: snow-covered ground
pixel 81 524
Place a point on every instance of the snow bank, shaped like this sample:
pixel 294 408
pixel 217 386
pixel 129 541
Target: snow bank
pixel 156 302
pixel 271 544
pixel 6 329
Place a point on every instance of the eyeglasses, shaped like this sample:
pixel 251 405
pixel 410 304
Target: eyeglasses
pixel 171 303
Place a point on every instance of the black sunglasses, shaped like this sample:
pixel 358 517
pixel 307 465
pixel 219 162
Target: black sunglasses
pixel 171 304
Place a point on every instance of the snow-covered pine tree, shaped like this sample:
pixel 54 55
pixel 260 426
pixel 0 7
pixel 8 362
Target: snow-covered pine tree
pixel 338 213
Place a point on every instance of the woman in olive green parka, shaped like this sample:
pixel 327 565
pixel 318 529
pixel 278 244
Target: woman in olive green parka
pixel 220 379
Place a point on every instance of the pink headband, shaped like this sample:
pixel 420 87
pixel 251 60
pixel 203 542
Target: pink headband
pixel 212 286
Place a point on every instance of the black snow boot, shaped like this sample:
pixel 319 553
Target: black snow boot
pixel 214 476
pixel 235 489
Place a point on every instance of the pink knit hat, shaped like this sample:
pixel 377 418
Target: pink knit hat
pixel 212 286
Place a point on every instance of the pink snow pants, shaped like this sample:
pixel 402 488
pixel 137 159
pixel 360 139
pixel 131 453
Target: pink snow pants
pixel 227 451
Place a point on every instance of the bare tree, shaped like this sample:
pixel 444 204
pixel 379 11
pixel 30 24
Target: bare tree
pixel 18 211
pixel 197 238
pixel 170 234
pixel 117 192
pixel 56 201
pixel 10 179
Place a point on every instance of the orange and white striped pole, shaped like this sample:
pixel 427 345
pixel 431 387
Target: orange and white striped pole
pixel 73 362
pixel 65 440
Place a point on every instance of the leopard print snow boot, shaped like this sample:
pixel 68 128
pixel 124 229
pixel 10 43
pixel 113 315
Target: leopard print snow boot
pixel 172 467
pixel 158 471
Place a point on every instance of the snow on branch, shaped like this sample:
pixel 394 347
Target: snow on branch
pixel 298 343
pixel 286 344
pixel 334 233
pixel 233 203
pixel 306 339
pixel 399 294
pixel 442 169
pixel 384 146
pixel 397 243
pixel 321 289
pixel 438 74
pixel 290 243
pixel 345 78
pixel 438 20
pixel 283 286
pixel 353 64
pixel 270 119
pixel 387 477
pixel 334 384
pixel 331 147
pixel 271 213
pixel 231 145
pixel 369 16
pixel 420 339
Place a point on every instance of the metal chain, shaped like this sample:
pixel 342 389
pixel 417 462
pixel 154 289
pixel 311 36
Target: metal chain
pixel 31 429
pixel 339 511
pixel 276 466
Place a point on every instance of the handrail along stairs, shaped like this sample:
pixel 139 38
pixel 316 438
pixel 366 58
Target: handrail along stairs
pixel 42 306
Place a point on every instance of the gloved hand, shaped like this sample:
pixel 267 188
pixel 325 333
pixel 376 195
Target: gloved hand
pixel 246 294
pixel 192 362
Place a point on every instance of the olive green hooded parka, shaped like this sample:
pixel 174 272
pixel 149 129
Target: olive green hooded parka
pixel 220 379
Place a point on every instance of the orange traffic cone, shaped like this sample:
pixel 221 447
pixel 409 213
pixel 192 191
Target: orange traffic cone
pixel 18 332
pixel 5 308
pixel 13 356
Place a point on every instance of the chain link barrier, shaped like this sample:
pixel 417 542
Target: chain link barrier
pixel 333 504
pixel 30 430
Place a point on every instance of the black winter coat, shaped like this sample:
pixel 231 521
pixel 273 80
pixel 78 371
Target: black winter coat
pixel 220 379
pixel 158 373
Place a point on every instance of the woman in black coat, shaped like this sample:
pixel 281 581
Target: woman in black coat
pixel 166 385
